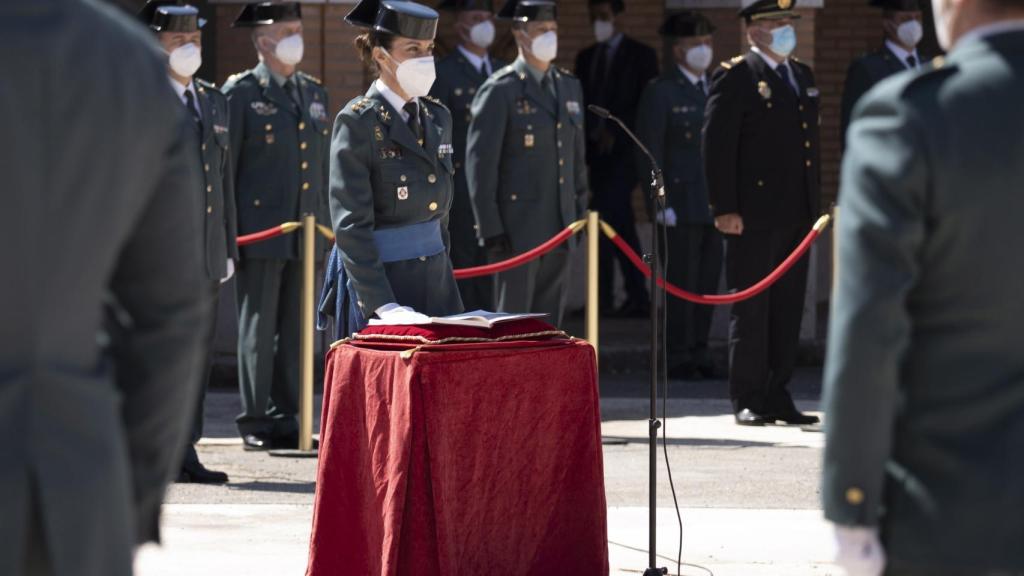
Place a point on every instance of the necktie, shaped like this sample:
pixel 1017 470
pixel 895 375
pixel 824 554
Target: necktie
pixel 190 104
pixel 783 71
pixel 548 85
pixel 911 62
pixel 483 69
pixel 293 93
pixel 412 109
pixel 701 87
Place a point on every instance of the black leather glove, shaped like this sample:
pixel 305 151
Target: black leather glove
pixel 499 244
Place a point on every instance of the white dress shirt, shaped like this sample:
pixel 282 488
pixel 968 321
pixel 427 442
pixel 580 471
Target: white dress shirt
pixel 694 79
pixel 773 64
pixel 394 99
pixel 180 90
pixel 476 61
pixel 903 54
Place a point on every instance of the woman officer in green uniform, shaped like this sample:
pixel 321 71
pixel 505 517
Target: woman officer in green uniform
pixel 391 179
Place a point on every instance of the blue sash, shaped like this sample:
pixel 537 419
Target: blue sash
pixel 338 297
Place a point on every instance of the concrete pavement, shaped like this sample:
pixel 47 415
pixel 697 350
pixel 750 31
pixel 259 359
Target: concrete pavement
pixel 749 496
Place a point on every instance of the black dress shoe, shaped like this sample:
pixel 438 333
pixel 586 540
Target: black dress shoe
pixel 290 442
pixel 196 473
pixel 797 418
pixel 748 417
pixel 252 442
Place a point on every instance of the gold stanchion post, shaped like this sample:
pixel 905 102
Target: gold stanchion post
pixel 306 351
pixel 593 236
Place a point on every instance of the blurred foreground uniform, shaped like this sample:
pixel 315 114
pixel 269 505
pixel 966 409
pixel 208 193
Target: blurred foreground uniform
pixel 923 377
pixel 101 204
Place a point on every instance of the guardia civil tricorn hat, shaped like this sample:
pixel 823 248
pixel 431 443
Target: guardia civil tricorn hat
pixel 618 6
pixel 529 11
pixel 686 24
pixel 398 17
pixel 769 10
pixel 171 16
pixel 466 5
pixel 263 13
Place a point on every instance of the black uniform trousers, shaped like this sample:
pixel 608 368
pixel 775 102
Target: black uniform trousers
pixel 611 184
pixel 764 332
pixel 197 418
pixel 269 293
pixel 694 263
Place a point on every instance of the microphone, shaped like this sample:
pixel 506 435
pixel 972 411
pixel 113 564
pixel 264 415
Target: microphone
pixel 657 184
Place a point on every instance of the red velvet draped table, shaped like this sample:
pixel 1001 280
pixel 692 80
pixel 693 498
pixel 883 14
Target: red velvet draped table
pixel 468 458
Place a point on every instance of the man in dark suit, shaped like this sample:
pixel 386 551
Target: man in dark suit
pixel 459 76
pixel 923 375
pixel 100 194
pixel 901 24
pixel 177 28
pixel 669 121
pixel 614 72
pixel 761 159
pixel 280 136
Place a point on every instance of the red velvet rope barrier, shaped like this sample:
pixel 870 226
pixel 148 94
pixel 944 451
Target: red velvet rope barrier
pixel 519 260
pixel 719 299
pixel 279 230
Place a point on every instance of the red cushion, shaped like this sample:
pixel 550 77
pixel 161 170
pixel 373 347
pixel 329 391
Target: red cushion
pixel 527 329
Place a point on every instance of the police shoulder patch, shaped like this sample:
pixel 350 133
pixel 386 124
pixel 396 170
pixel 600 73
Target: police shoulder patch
pixel 311 78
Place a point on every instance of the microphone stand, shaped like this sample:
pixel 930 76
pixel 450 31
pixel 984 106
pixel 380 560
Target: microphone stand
pixel 657 191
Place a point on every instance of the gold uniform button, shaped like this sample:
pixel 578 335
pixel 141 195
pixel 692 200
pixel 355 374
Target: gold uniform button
pixel 305 165
pixel 431 178
pixel 559 143
pixel 209 209
pixel 303 146
pixel 209 188
pixel 760 183
pixel 804 125
pixel 302 125
pixel 807 144
pixel 855 496
pixel 402 178
pixel 561 162
pixel 203 147
pixel 808 163
pixel 268 127
pixel 558 125
pixel 432 206
pixel 514 197
pixel 561 180
pixel 325 131
pixel 206 167
pixel 305 185
pixel 256 202
pixel 423 258
pixel 801 107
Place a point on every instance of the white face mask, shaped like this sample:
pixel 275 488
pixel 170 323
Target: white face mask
pixel 941 24
pixel 545 46
pixel 289 50
pixel 603 30
pixel 910 33
pixel 699 57
pixel 415 75
pixel 482 34
pixel 185 60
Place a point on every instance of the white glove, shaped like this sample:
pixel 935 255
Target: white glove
pixel 668 218
pixel 394 315
pixel 231 271
pixel 858 550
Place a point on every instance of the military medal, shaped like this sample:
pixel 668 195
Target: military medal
pixel 317 110
pixel 528 141
pixel 270 138
pixel 764 90
pixel 403 192
pixel 263 109
pixel 812 92
pixel 573 107
pixel 218 129
pixel 458 91
pixel 378 134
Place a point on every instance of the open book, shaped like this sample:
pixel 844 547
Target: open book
pixel 475 319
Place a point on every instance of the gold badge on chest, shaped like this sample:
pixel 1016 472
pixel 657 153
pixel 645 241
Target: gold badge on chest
pixel 528 141
pixel 764 90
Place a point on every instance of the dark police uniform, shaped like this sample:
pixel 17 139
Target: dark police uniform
pixel 456 86
pixel 527 172
pixel 98 202
pixel 923 388
pixel 279 153
pixel 391 193
pixel 669 121
pixel 873 67
pixel 761 155
pixel 208 109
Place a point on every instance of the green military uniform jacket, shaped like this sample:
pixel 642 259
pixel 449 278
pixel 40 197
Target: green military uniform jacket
pixel 381 177
pixel 924 376
pixel 669 120
pixel 456 86
pixel 279 155
pixel 220 228
pixel 862 75
pixel 525 162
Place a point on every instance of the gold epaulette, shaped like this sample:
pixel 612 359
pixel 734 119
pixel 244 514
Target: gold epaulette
pixel 566 72
pixel 362 104
pixel 432 100
pixel 732 62
pixel 312 78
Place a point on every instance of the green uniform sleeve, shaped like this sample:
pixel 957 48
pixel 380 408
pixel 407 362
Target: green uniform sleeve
pixel 230 207
pixel 881 229
pixel 483 157
pixel 352 209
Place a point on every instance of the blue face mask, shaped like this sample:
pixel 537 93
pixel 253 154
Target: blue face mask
pixel 783 40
